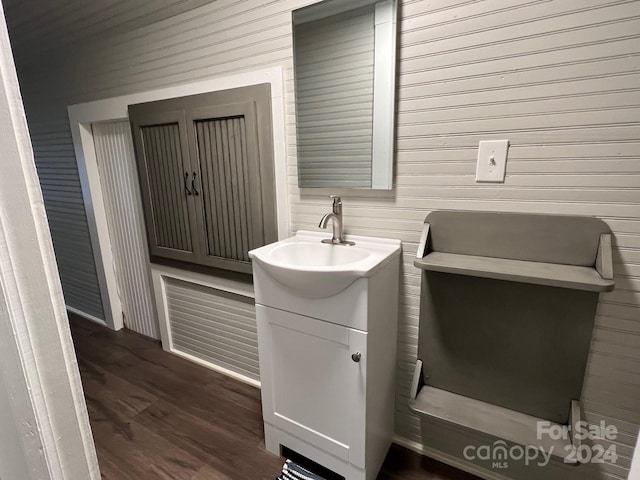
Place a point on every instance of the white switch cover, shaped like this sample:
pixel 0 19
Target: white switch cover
pixel 492 161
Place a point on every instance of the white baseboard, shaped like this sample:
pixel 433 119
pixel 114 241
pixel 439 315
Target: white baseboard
pixel 87 316
pixel 217 368
pixel 448 459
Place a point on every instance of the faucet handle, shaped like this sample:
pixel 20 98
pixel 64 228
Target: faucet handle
pixel 337 204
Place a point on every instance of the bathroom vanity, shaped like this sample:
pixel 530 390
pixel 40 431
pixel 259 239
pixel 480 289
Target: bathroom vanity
pixel 327 326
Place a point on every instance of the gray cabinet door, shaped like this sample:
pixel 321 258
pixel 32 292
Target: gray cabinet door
pixel 224 141
pixel 166 176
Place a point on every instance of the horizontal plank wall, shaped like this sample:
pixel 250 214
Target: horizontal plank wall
pixel 62 195
pixel 559 79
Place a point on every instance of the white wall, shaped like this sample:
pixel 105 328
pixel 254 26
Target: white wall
pixel 559 79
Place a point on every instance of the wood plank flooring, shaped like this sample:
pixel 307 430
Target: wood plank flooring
pixel 157 416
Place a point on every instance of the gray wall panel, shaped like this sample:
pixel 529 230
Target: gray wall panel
pixel 558 78
pixel 56 165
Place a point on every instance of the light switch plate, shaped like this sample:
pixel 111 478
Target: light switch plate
pixel 492 161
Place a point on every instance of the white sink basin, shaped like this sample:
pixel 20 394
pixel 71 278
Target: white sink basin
pixel 313 269
pixel 308 254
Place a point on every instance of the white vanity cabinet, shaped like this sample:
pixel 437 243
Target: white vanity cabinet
pixel 327 365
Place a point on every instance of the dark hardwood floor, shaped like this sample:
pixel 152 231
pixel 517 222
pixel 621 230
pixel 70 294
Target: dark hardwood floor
pixel 157 416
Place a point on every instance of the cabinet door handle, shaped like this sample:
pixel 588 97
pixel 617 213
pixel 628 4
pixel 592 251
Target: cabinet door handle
pixel 186 177
pixel 356 357
pixel 193 184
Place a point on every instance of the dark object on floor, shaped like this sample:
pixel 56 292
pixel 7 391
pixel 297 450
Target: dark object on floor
pixel 310 465
pixel 292 471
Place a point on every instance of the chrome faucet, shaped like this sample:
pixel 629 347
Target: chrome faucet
pixel 336 216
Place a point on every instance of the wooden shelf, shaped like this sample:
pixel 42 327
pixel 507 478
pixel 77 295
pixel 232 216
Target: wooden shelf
pixel 549 274
pixel 484 417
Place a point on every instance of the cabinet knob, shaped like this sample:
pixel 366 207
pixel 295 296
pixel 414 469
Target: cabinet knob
pixel 356 357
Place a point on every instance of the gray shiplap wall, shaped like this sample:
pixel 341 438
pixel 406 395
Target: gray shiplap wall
pixel 559 78
pixel 62 195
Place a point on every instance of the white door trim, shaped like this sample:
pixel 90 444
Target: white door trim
pixel 82 115
pixel 635 461
pixel 44 426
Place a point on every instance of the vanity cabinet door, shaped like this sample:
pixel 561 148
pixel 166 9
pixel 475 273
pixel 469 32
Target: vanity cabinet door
pixel 312 388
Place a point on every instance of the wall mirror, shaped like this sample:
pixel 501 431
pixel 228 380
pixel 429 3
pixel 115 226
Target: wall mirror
pixel 344 68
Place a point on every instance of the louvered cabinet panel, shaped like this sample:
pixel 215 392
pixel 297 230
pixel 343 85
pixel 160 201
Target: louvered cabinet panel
pixel 166 179
pixel 225 146
pixel 206 173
